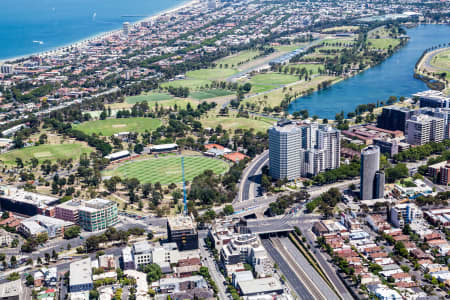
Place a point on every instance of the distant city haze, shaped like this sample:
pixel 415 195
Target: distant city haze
pixel 29 26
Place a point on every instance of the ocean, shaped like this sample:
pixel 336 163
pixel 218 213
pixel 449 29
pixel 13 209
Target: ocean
pixel 32 26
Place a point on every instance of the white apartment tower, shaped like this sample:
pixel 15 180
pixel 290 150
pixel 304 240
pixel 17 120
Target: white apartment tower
pixel 422 129
pixel 328 139
pixel 302 150
pixel 126 28
pixel 284 150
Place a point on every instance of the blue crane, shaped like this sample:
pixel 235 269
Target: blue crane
pixel 184 187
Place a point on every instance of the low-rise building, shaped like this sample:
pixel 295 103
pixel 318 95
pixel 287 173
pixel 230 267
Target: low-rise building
pixel 127 259
pixel 260 286
pixel 23 202
pixel 43 224
pixel 440 172
pixel 12 290
pixel 5 238
pixel 145 253
pixel 68 211
pixel 238 249
pixel 107 262
pixel 172 285
pixel 402 214
pixel 80 278
pixel 98 214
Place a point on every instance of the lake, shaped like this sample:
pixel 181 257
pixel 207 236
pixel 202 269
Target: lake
pixel 24 24
pixel 393 77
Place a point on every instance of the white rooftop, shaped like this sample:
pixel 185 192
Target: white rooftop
pixel 11 289
pixel 21 195
pixel 80 272
pixel 262 285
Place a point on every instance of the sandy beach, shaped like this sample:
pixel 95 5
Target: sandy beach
pixel 85 41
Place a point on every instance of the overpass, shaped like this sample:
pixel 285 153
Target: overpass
pixel 278 224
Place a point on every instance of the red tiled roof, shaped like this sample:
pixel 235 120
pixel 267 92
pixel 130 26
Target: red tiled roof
pixel 235 156
pixel 210 146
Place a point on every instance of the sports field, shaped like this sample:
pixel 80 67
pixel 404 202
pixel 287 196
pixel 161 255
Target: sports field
pixel 150 97
pixel 207 94
pixel 192 84
pixel 238 58
pixel 110 126
pixel 210 74
pixel 166 170
pixel 50 152
pixel 273 78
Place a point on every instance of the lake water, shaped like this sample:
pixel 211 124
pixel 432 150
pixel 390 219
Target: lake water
pixel 60 22
pixel 393 77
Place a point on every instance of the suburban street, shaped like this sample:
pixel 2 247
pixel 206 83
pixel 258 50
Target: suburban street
pixel 212 265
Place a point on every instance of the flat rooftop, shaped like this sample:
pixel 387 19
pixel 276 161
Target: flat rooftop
pixel 262 285
pixel 80 272
pixel 49 221
pixel 11 289
pixel 71 205
pixel 181 223
pixel 95 204
pixel 21 195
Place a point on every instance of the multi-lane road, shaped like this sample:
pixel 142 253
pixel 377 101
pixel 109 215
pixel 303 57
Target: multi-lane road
pixel 295 283
pixel 249 186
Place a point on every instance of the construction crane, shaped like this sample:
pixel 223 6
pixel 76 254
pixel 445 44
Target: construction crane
pixel 184 187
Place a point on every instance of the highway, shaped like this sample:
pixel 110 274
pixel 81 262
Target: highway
pixel 315 279
pixel 329 270
pixel 293 279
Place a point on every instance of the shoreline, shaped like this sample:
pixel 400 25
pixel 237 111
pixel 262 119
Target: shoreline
pixel 98 36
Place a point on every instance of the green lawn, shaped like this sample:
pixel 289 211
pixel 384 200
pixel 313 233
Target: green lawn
pixel 192 84
pixel 240 57
pixel 441 60
pixel 289 48
pixel 166 170
pixel 260 88
pixel 273 78
pixel 51 152
pixel 148 97
pixel 110 126
pixel 207 94
pixel 210 74
pixel 342 41
pixel 383 43
pixel 309 67
pixel 238 123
